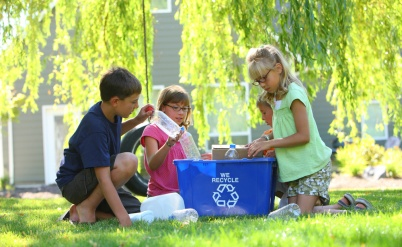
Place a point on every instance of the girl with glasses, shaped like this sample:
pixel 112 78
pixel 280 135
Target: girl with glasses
pixel 160 149
pixel 303 158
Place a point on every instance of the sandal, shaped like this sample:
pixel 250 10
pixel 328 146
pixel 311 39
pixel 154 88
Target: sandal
pixel 364 202
pixel 350 199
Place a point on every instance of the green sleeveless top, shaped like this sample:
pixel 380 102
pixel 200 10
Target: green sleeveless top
pixel 299 161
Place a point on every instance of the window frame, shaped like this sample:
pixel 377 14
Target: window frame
pixel 247 132
pixel 154 88
pixel 364 124
pixel 163 11
pixel 50 152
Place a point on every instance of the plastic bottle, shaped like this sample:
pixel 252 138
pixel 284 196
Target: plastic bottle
pixel 164 205
pixel 166 124
pixel 185 215
pixel 289 211
pixel 232 153
pixel 189 146
pixel 147 216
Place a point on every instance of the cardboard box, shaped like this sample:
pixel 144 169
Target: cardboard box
pixel 218 152
pixel 228 187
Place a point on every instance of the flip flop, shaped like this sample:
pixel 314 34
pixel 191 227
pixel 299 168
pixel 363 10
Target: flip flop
pixel 367 204
pixel 65 216
pixel 351 200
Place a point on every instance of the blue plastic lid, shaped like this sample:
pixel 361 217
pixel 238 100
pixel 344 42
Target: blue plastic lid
pixel 232 146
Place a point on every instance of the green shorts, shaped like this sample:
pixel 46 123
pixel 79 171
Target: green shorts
pixel 315 184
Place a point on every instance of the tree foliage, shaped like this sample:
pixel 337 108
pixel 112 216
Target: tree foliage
pixel 350 47
pixel 353 48
pixel 87 38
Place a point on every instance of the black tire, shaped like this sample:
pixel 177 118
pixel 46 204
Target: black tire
pixel 130 143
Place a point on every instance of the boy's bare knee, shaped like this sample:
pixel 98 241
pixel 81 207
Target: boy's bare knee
pixel 127 162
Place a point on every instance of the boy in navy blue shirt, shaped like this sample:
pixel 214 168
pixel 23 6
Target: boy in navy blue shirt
pixel 92 170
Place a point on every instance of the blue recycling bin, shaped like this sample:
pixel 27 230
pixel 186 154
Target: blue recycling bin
pixel 228 187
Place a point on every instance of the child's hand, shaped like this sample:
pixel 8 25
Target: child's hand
pixel 270 153
pixel 172 141
pixel 256 147
pixel 149 108
pixel 261 139
pixel 206 156
pixel 125 222
pixel 145 112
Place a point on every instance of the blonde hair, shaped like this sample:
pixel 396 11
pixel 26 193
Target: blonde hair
pixel 175 94
pixel 261 60
pixel 261 100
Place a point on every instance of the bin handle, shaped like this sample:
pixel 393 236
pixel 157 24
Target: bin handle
pixel 208 169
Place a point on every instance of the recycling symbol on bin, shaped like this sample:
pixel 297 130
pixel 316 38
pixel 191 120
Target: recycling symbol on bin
pixel 225 188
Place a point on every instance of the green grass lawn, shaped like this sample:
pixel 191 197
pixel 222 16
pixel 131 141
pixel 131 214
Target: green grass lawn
pixel 33 222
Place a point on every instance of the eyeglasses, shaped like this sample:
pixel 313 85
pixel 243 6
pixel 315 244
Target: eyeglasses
pixel 257 82
pixel 177 108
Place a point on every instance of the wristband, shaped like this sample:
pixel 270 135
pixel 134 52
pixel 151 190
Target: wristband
pixel 267 137
pixel 169 145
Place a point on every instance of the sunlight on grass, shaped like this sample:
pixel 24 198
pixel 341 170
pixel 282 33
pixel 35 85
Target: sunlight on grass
pixel 33 222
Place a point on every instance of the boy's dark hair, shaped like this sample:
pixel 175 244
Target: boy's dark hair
pixel 118 82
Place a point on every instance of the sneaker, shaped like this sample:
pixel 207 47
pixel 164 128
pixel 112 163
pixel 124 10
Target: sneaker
pixel 147 216
pixel 289 211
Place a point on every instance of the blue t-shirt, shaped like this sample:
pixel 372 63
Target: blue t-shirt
pixel 92 145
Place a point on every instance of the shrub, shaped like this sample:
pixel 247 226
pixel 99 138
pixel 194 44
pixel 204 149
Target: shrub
pixel 354 157
pixel 4 182
pixel 392 160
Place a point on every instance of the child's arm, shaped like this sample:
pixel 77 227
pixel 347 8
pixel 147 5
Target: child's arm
pixel 156 156
pixel 206 156
pixel 264 137
pixel 142 115
pixel 110 193
pixel 302 135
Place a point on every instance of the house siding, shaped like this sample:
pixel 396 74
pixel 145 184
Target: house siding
pixel 167 44
pixel 27 130
pixel 4 135
pixel 28 140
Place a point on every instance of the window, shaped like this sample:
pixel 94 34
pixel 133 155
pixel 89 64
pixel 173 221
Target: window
pixel 373 123
pixel 240 130
pixel 161 6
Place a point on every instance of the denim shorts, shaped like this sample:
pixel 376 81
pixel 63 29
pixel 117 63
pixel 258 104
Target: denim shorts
pixel 316 184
